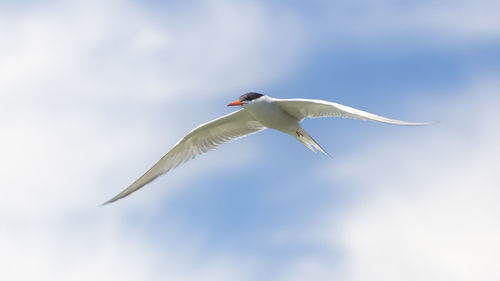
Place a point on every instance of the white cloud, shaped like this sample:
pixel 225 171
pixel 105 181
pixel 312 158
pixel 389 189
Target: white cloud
pixel 73 75
pixel 440 21
pixel 115 49
pixel 103 250
pixel 74 72
pixel 425 205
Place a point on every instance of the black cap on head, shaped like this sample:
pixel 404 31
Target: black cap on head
pixel 250 96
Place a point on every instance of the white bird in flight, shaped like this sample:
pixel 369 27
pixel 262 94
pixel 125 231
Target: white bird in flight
pixel 258 113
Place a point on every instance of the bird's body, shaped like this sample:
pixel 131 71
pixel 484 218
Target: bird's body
pixel 258 112
pixel 268 112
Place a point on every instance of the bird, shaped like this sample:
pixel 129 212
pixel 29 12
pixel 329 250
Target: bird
pixel 257 113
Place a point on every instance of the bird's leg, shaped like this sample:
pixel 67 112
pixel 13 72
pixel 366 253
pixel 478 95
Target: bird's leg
pixel 299 134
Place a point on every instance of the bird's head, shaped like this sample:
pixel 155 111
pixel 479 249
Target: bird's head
pixel 246 99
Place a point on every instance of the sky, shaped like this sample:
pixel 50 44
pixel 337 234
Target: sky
pixel 93 93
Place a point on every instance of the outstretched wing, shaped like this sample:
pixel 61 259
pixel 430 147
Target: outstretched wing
pixel 302 108
pixel 200 140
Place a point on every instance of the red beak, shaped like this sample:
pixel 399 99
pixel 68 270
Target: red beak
pixel 235 103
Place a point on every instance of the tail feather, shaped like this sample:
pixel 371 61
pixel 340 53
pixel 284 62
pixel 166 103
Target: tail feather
pixel 303 137
pixel 306 144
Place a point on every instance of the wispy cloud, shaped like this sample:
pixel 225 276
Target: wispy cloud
pixel 86 87
pixel 73 74
pixel 424 205
pixel 442 21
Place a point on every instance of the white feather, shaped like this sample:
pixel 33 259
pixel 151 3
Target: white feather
pixel 200 140
pixel 257 114
pixel 302 108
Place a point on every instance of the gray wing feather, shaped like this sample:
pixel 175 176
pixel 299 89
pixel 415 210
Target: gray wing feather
pixel 200 140
pixel 302 108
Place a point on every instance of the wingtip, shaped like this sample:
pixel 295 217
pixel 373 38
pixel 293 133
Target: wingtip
pixel 104 204
pixel 422 123
pixel 109 201
pixel 430 122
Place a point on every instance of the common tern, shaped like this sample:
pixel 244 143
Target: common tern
pixel 258 112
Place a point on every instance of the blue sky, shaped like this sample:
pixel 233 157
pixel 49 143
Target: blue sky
pixel 95 92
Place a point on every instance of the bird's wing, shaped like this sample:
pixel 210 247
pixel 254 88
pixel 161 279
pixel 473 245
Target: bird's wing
pixel 200 140
pixel 302 108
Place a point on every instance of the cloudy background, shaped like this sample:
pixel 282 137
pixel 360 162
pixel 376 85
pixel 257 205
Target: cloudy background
pixel 94 92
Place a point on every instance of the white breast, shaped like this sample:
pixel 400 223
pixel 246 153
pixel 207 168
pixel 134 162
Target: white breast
pixel 271 115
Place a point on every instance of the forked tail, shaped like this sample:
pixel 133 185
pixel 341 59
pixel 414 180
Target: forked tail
pixel 304 138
